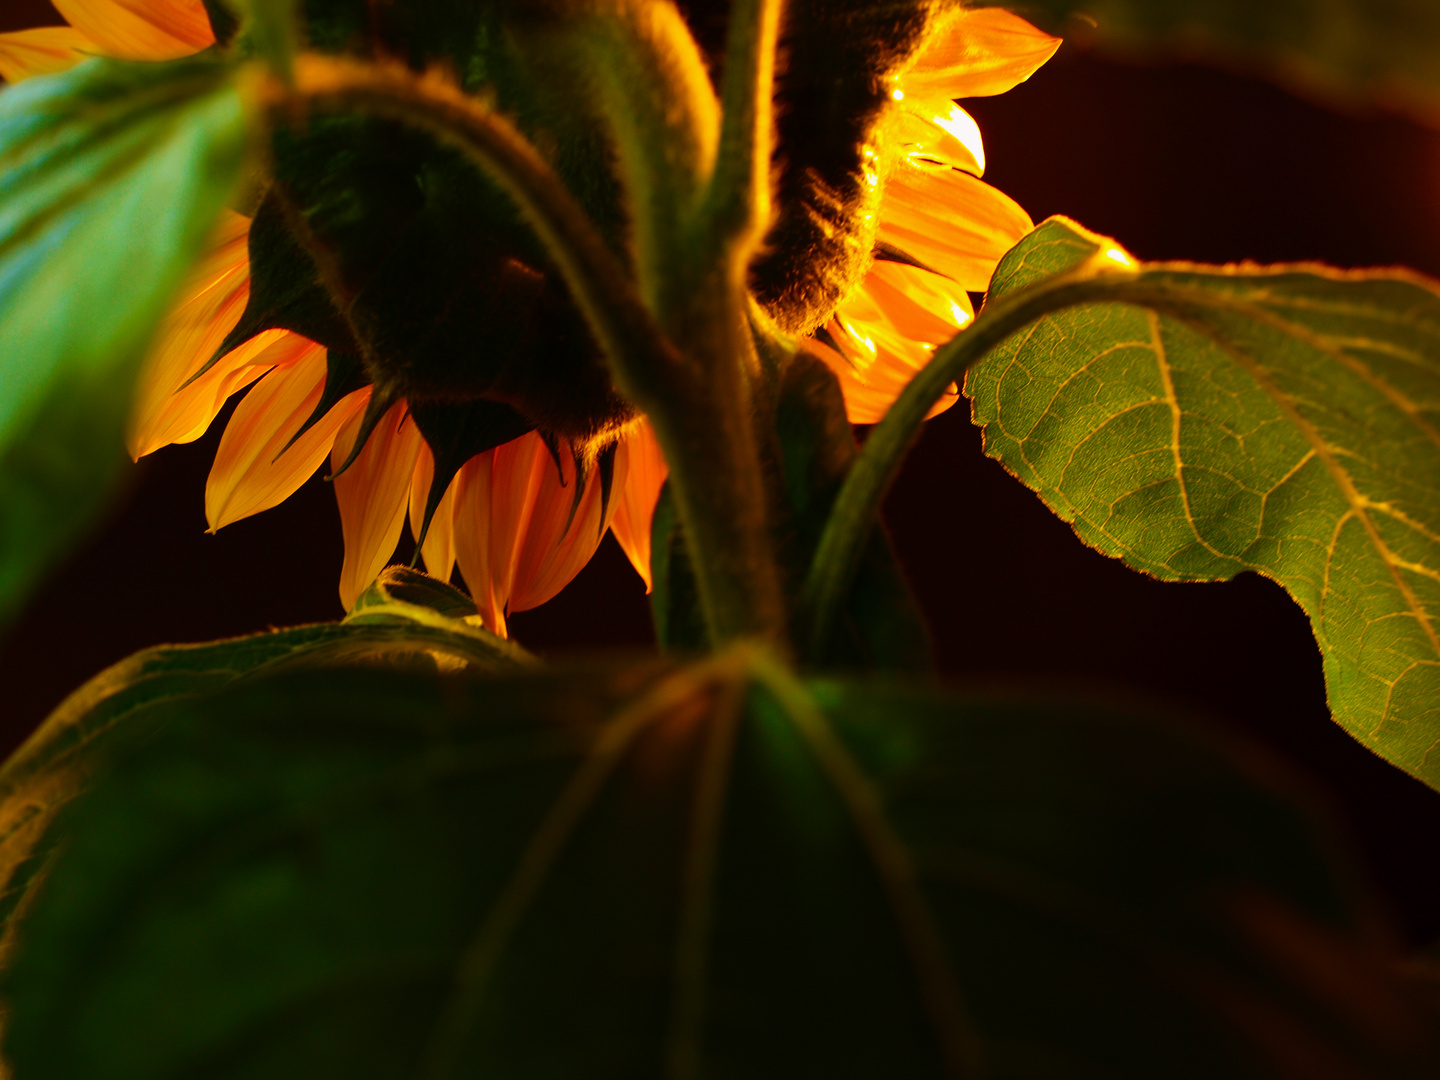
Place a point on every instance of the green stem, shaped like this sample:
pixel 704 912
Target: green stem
pixel 737 204
pixel 696 394
pixel 857 505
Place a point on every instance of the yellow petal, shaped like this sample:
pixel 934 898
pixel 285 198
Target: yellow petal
pixel 940 132
pixel 645 473
pixel 976 53
pixel 141 29
pixel 373 494
pixel 250 474
pixel 42 51
pixel 870 384
pixel 920 305
pixel 438 551
pixel 210 305
pixel 954 223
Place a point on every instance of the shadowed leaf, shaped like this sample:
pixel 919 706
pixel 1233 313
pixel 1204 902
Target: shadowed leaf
pixel 704 870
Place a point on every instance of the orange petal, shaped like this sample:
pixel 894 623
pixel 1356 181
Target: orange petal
pixel 42 51
pixel 511 515
pixel 551 554
pixel 976 53
pixel 210 305
pixel 141 29
pixel 373 494
pixel 438 551
pixel 250 473
pixel 954 223
pixel 871 384
pixel 917 303
pixel 645 473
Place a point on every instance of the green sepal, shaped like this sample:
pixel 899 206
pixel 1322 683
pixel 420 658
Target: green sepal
pixel 111 176
pixel 403 595
pixel 285 288
pixel 882 626
pixel 456 432
pixel 1222 419
pixel 707 869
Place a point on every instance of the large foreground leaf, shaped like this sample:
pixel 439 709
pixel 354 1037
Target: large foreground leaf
pixel 110 177
pixel 693 871
pixel 1387 49
pixel 397 623
pixel 1284 420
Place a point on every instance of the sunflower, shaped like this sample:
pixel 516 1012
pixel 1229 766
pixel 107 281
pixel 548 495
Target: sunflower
pixel 521 516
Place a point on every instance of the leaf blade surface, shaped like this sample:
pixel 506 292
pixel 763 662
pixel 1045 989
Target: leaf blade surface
pixel 1284 420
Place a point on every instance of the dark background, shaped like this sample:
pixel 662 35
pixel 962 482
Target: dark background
pixel 1177 162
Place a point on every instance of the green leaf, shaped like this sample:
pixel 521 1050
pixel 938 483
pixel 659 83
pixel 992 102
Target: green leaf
pixel 1284 420
pixel 1387 49
pixel 403 625
pixel 111 175
pixel 704 870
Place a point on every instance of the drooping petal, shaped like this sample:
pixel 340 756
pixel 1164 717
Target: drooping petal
pixel 438 550
pixel 250 473
pixel 141 29
pixel 942 133
pixel 918 305
pixel 373 494
pixel 516 540
pixel 42 51
pixel 645 473
pixel 952 222
pixel 166 410
pixel 551 554
pixel 871 380
pixel 978 52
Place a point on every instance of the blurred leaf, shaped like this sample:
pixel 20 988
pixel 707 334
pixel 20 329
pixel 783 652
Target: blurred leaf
pixel 111 175
pixel 1388 49
pixel 690 871
pixel 56 762
pixel 1284 420
pixel 271 29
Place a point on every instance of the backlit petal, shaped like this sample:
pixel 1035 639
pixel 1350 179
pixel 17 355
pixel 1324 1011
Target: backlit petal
pixel 944 133
pixel 141 29
pixel 954 223
pixel 166 410
pixel 920 305
pixel 551 555
pixel 645 473
pixel 511 516
pixel 42 51
pixel 869 382
pixel 976 53
pixel 438 551
pixel 250 474
pixel 373 494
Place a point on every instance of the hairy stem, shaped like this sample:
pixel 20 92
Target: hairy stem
pixel 737 204
pixel 694 389
pixel 857 505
